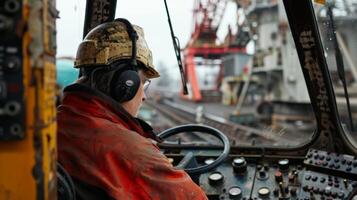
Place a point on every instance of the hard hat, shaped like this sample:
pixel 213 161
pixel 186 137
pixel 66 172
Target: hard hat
pixel 110 42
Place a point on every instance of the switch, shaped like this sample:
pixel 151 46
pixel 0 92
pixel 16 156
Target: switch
pixel 5 23
pixel 283 164
pixel 12 64
pixel 3 92
pixel 278 176
pixel 345 183
pixel 282 190
pixel 239 165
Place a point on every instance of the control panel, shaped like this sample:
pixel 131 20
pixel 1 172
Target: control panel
pixel 12 111
pixel 255 177
pixel 327 162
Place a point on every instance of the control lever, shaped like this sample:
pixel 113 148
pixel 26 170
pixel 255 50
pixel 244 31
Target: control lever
pixel 282 191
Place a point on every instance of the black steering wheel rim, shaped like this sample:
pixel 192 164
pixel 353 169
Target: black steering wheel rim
pixel 206 129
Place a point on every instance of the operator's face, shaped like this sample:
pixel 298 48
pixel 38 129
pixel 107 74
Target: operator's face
pixel 133 106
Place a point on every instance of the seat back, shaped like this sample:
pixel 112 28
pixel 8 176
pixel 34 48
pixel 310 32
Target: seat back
pixel 65 186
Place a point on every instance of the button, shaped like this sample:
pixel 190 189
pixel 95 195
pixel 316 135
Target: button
pixel 314 178
pixel 349 162
pixel 328 158
pixel 259 167
pixel 336 179
pixel 322 180
pixel 286 189
pixel 337 160
pixel 334 194
pixel 341 195
pixel 307 177
pixel 266 167
pixel 316 190
pixel 327 191
pixel 276 192
pixel 354 164
pixel 354 185
pixel 305 188
pixel 262 175
pixel 291 178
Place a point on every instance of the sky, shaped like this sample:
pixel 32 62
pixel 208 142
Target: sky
pixel 150 15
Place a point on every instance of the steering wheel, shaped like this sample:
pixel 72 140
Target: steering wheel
pixel 189 156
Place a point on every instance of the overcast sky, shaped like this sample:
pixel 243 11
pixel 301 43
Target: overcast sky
pixel 150 15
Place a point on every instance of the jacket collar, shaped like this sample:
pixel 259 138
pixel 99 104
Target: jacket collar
pixel 89 97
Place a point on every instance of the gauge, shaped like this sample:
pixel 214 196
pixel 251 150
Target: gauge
pixel 235 192
pixel 215 177
pixel 263 191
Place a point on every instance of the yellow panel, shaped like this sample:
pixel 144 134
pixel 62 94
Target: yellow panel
pixel 28 167
pixel 16 178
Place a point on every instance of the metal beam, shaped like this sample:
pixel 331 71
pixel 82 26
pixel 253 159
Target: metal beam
pixel 97 12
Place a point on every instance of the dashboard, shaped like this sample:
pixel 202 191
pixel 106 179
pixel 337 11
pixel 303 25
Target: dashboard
pixel 318 175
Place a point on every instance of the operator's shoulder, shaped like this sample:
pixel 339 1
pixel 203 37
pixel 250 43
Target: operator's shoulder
pixel 119 137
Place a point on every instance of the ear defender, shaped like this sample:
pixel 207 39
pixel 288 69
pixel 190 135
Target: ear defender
pixel 125 86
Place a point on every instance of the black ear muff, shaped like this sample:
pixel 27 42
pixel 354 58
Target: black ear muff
pixel 125 86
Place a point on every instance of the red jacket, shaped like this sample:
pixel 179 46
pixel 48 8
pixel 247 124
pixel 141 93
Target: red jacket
pixel 100 144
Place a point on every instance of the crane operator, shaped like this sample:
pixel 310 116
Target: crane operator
pixel 108 152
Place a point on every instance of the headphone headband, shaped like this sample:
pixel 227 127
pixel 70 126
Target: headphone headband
pixel 133 36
